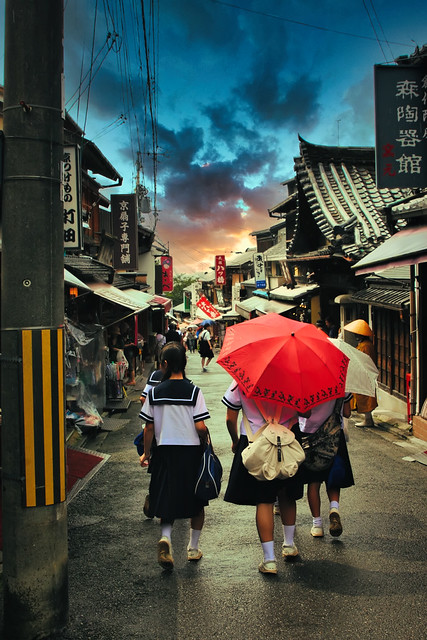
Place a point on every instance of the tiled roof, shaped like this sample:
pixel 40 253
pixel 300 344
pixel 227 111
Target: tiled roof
pixel 88 269
pixel 240 259
pixel 339 185
pixel 383 297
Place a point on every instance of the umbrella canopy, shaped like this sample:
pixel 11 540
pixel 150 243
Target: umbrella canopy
pixel 285 361
pixel 207 323
pixel 362 373
pixel 361 327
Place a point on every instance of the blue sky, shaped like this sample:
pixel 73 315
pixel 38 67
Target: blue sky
pixel 232 86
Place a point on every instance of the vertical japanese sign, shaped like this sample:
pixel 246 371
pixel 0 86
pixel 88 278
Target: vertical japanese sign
pixel 125 229
pixel 167 273
pixel 71 198
pixel 220 271
pixel 401 126
pixel 259 269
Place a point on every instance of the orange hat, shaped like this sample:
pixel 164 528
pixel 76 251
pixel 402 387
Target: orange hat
pixel 361 327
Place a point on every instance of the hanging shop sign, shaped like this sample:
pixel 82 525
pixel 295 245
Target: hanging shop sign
pixel 259 269
pixel 167 273
pixel 208 308
pixel 219 271
pixel 71 198
pixel 125 229
pixel 401 126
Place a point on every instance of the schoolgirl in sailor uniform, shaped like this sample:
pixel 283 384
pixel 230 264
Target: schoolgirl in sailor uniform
pixel 174 412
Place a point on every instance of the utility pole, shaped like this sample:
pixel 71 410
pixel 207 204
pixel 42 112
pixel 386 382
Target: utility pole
pixel 35 552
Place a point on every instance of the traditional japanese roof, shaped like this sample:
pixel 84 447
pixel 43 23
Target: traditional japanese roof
pixel 88 269
pixel 239 259
pixel 340 189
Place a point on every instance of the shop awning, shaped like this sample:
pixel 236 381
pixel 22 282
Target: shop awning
pixel 131 298
pixel 405 247
pixel 284 293
pixel 383 297
pixel 160 301
pixel 261 306
pixel 70 279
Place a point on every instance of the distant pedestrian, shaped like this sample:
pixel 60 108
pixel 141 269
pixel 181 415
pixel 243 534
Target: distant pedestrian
pixel 361 403
pixel 174 412
pixel 173 335
pixel 331 327
pixel 206 352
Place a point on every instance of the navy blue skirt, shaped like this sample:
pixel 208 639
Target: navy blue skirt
pixel 243 488
pixel 174 471
pixel 339 475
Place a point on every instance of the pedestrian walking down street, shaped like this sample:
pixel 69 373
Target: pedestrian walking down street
pixel 206 352
pixel 244 489
pixel 361 403
pixel 338 476
pixel 174 412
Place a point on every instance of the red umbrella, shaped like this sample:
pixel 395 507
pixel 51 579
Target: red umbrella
pixel 279 359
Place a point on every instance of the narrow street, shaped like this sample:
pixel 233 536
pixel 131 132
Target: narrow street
pixel 369 583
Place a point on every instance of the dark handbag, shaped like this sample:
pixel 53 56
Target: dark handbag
pixel 321 447
pixel 139 442
pixel 208 483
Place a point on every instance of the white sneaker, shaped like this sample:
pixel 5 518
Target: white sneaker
pixel 317 532
pixel 289 551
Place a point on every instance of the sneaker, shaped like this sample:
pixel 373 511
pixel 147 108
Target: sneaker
pixel 164 553
pixel 268 567
pixel 194 554
pixel 289 551
pixel 317 532
pixel 335 526
pixel 204 369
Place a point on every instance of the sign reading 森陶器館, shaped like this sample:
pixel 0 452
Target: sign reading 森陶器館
pixel 125 230
pixel 401 126
pixel 259 269
pixel 208 308
pixel 71 198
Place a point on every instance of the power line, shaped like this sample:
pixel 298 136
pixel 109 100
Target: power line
pixel 300 23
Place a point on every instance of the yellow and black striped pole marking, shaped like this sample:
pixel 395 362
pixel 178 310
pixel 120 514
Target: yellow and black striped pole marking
pixel 43 416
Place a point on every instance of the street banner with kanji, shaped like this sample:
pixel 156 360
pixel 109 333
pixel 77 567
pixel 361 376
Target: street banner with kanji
pixel 219 271
pixel 167 273
pixel 204 304
pixel 125 229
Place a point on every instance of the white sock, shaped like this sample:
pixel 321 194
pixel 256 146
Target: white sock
pixel 317 522
pixel 334 505
pixel 288 535
pixel 194 538
pixel 166 530
pixel 268 550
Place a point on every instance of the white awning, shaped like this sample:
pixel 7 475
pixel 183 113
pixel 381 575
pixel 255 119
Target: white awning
pixel 261 306
pixel 405 247
pixel 130 298
pixel 70 279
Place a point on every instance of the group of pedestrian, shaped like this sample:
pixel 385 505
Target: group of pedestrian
pixel 175 411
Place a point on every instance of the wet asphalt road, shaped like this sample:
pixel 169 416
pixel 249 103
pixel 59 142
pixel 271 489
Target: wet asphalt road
pixel 369 583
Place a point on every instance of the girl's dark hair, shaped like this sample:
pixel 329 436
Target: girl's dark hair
pixel 174 354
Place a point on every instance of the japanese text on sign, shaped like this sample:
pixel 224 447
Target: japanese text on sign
pixel 71 198
pixel 167 273
pixel 204 304
pixel 259 269
pixel 220 271
pixel 401 126
pixel 123 208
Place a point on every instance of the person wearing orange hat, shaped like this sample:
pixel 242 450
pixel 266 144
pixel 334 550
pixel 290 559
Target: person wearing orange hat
pixel 364 404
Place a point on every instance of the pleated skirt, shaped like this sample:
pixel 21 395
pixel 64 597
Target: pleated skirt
pixel 174 471
pixel 243 488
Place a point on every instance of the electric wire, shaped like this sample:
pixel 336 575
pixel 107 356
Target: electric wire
pixel 374 30
pixel 301 23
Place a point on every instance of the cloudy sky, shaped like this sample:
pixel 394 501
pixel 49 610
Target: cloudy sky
pixel 232 84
